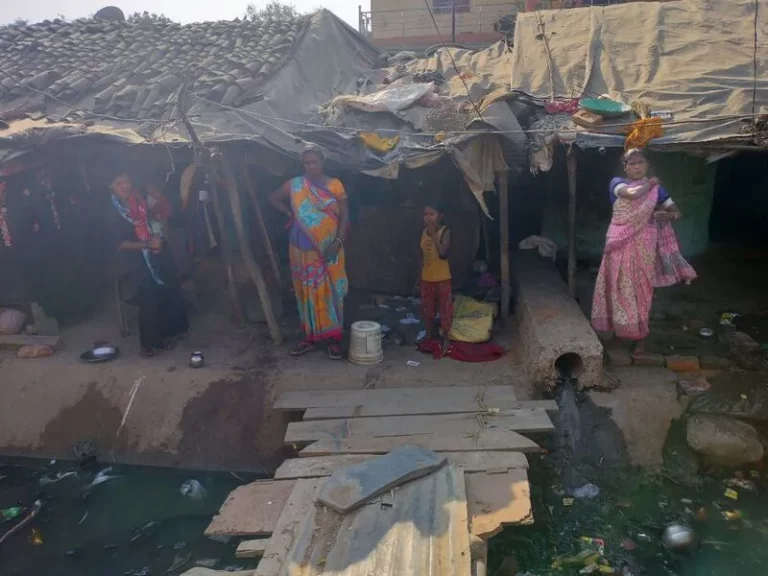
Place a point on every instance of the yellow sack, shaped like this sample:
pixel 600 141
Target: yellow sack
pixel 377 143
pixel 472 320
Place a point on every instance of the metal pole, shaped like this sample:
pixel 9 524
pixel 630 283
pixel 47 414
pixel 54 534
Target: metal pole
pixel 453 21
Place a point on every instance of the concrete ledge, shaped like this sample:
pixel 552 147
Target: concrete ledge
pixel 552 325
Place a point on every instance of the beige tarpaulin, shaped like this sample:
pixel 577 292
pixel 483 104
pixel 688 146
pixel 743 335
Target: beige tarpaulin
pixel 694 58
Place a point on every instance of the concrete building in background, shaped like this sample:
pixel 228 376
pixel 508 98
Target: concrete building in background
pixel 395 25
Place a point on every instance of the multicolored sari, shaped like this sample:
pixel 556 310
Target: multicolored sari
pixel 639 255
pixel 320 285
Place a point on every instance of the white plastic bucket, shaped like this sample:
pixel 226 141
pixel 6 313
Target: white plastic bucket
pixel 365 343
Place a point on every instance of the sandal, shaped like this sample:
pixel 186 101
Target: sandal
pixel 335 352
pixel 302 348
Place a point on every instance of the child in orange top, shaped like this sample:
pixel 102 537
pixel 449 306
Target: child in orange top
pixel 436 273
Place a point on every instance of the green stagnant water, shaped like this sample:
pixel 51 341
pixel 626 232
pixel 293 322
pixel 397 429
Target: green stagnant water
pixel 137 523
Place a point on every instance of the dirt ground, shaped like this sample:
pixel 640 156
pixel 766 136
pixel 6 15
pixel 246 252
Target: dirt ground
pixel 159 411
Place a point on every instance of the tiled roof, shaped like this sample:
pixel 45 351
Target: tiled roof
pixel 134 70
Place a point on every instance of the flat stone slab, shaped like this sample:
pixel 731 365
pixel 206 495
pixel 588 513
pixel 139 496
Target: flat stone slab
pixel 350 487
pixel 552 325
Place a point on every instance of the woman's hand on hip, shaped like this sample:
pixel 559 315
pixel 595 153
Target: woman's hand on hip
pixel 664 216
pixel 332 250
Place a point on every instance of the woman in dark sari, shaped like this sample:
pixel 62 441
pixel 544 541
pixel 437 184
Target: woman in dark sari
pixel 148 265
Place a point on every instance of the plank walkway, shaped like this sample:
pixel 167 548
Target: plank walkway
pixel 480 432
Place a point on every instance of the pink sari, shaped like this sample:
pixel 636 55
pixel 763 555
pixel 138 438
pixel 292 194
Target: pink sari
pixel 639 255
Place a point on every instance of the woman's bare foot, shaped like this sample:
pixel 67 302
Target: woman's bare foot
pixel 639 349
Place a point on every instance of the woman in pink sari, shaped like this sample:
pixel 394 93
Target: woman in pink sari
pixel 641 253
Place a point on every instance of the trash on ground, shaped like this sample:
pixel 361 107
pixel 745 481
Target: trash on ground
pixel 732 494
pixel 586 492
pixel 732 515
pixel 35 537
pixel 45 480
pixel 193 489
pixel 597 543
pixel 103 476
pixel 741 483
pixel 38 505
pixel 628 545
pixel 409 319
pixel 727 318
pixel 11 513
pixel 679 537
pixel 568 501
pixel 413 363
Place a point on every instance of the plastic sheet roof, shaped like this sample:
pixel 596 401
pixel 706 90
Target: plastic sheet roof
pixel 693 58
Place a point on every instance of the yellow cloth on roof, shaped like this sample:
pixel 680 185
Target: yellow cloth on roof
pixel 642 132
pixel 377 143
pixel 472 320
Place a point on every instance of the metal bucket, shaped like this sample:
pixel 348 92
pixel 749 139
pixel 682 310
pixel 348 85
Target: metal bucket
pixel 365 343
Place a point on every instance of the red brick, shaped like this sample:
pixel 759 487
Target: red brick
pixel 683 363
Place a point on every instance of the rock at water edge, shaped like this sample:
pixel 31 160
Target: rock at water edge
pixel 724 441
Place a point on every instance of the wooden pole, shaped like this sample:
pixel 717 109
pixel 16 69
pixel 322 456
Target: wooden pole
pixel 260 222
pixel 215 162
pixel 220 161
pixel 227 251
pixel 504 228
pixel 571 161
pixel 479 555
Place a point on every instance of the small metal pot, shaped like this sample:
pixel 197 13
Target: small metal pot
pixel 706 332
pixel 196 360
pixel 679 537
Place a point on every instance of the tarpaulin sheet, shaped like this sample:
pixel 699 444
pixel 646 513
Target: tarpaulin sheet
pixel 695 58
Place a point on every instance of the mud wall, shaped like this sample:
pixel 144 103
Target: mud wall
pixel 688 179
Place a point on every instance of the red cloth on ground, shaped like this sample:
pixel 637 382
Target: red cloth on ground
pixel 463 351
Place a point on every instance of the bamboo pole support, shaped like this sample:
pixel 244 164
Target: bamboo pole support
pixel 571 162
pixel 260 222
pixel 220 160
pixel 504 228
pixel 227 252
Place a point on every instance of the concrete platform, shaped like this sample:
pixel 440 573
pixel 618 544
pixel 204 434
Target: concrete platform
pixel 158 411
pixel 553 330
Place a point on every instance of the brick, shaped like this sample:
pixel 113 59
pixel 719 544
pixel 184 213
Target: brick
pixel 694 387
pixel 683 363
pixel 618 357
pixel 649 360
pixel 715 363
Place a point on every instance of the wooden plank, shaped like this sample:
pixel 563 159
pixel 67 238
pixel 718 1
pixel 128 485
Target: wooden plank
pixel 497 500
pixel 13 341
pixel 447 396
pixel 319 466
pixel 299 507
pixel 251 548
pixel 456 424
pixel 350 487
pixel 419 529
pixel 252 509
pixel 506 289
pixel 492 440
pixel 435 407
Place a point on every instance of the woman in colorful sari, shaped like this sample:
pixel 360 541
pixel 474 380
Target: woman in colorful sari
pixel 641 253
pixel 148 264
pixel 317 207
